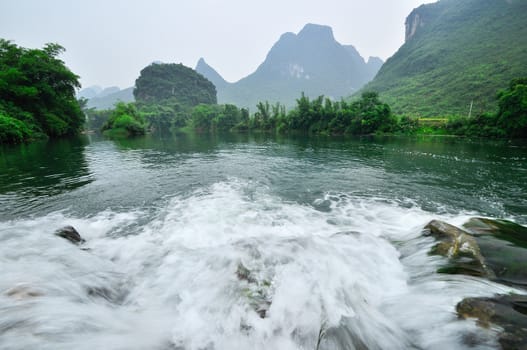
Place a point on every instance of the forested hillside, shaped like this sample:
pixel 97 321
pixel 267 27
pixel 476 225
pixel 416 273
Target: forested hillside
pixel 457 53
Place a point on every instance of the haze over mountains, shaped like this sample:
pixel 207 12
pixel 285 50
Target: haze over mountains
pixel 311 61
pixel 105 98
pixel 457 53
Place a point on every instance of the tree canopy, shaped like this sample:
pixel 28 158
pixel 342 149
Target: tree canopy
pixel 37 93
pixel 124 119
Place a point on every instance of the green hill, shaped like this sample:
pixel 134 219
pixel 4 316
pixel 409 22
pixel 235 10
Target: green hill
pixel 161 82
pixel 457 52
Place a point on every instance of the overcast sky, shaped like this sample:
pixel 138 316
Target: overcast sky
pixel 109 41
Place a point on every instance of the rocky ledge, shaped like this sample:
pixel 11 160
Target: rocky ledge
pixel 493 249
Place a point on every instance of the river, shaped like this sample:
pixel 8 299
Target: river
pixel 245 242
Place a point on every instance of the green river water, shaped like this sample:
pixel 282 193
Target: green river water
pixel 329 228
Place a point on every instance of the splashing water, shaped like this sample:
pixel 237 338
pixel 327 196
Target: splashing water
pixel 233 266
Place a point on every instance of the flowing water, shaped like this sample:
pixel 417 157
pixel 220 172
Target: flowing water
pixel 243 242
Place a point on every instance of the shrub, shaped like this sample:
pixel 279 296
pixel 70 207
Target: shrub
pixel 13 130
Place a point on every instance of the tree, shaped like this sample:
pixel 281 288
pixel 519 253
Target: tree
pixel 13 130
pixel 38 90
pixel 512 103
pixel 227 118
pixel 262 116
pixel 125 118
pixel 202 116
pixel 370 115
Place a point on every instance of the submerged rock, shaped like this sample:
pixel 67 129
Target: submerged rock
pixel 506 311
pixel 244 274
pixel 460 247
pixel 23 292
pixel 503 243
pixel 257 292
pixel 71 234
pixel 112 295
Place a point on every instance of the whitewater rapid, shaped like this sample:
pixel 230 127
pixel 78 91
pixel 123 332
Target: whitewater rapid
pixel 200 271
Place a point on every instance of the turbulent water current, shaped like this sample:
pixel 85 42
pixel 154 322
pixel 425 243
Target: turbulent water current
pixel 245 243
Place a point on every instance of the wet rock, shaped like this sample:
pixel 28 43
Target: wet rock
pixel 504 244
pixel 70 233
pixel 453 241
pixel 244 274
pixel 108 294
pixel 502 229
pixel 257 292
pixel 509 312
pixel 460 247
pixel 21 292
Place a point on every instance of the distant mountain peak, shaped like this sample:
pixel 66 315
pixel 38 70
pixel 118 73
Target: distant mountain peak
pixel 375 59
pixel 316 32
pixel 311 61
pixel 210 73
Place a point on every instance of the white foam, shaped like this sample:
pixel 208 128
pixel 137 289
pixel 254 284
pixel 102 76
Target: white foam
pixel 357 270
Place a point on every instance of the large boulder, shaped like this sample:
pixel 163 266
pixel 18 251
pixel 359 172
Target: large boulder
pixel 460 247
pixel 503 243
pixel 509 312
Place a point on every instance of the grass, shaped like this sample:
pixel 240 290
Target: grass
pixel 464 53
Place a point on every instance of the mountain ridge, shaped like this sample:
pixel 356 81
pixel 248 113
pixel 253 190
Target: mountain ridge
pixel 311 61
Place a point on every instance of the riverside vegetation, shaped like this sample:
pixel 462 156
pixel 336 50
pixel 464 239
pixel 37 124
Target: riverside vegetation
pixel 37 99
pixel 161 108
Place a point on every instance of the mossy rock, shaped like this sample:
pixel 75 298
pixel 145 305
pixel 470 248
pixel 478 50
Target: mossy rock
pixel 460 247
pixel 502 229
pixel 503 244
pixel 509 312
pixel 257 292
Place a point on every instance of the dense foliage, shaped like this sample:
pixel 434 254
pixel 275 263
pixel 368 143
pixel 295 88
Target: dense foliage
pixel 363 116
pixel 124 120
pixel 37 94
pixel 321 115
pixel 512 115
pixel 462 52
pixel 366 115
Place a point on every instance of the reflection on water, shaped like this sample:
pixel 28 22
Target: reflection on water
pixel 30 173
pixel 436 173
